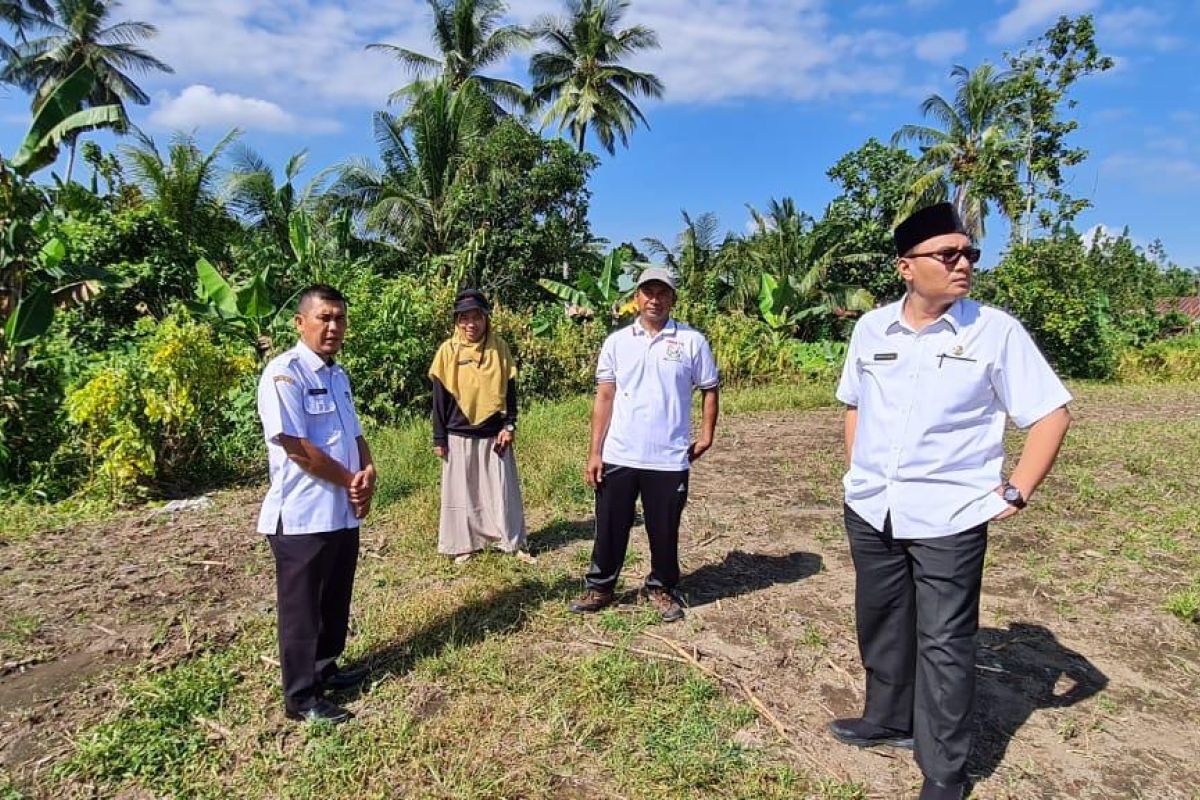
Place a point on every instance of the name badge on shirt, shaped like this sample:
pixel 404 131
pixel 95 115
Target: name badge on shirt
pixel 321 390
pixel 886 356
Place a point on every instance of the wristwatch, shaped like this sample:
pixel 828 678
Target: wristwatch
pixel 511 427
pixel 1012 495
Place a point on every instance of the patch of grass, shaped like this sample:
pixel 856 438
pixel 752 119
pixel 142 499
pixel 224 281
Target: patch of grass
pixel 19 629
pixel 160 738
pixel 811 636
pixel 1185 603
pixel 24 517
pixel 8 787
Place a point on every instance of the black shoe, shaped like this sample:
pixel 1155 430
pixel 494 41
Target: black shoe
pixel 591 601
pixel 321 711
pixel 345 679
pixel 665 604
pixel 936 790
pixel 861 733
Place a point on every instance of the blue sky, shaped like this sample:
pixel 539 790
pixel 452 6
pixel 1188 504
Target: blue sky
pixel 762 95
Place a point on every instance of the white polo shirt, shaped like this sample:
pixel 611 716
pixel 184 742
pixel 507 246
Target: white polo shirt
pixel 300 395
pixel 932 407
pixel 652 408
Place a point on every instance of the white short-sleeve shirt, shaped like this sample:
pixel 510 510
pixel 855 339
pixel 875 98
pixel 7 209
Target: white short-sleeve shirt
pixel 932 405
pixel 654 376
pixel 302 396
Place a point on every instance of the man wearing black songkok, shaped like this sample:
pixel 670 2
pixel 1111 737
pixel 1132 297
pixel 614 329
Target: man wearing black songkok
pixel 929 383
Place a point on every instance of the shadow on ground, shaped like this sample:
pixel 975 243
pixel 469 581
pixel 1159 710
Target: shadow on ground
pixel 1023 669
pixel 742 573
pixel 560 533
pixel 504 613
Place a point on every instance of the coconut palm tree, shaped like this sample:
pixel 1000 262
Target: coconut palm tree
pixel 253 193
pixel 973 157
pixel 184 184
pixel 20 15
pixel 692 257
pixel 406 200
pixel 579 77
pixel 790 257
pixel 81 33
pixel 470 38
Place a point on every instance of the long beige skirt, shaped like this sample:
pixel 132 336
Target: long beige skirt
pixel 481 498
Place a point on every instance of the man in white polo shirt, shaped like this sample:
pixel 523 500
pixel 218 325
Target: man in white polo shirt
pixel 929 382
pixel 322 481
pixel 641 441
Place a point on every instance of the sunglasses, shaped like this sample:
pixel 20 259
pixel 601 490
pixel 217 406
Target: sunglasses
pixel 949 256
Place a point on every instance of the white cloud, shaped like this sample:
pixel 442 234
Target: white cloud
pixel 1153 172
pixel 1030 16
pixel 309 54
pixel 200 106
pixel 939 47
pixel 714 51
pixel 1136 26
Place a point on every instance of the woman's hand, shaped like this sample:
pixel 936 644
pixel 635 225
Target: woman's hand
pixel 503 440
pixel 439 450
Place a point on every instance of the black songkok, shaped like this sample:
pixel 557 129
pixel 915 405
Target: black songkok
pixel 926 224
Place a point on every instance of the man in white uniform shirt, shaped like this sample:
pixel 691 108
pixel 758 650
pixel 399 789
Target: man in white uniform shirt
pixel 641 441
pixel 322 481
pixel 929 382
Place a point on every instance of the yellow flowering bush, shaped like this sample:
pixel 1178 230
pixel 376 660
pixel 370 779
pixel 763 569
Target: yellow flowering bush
pixel 157 413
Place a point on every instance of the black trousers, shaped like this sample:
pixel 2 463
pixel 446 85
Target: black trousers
pixel 664 494
pixel 917 608
pixel 314 577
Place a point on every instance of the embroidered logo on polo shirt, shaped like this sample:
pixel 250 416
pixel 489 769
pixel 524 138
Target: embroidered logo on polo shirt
pixel 674 351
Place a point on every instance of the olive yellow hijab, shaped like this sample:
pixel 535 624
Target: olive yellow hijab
pixel 476 373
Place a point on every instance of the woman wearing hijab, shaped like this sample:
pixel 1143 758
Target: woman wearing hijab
pixel 474 421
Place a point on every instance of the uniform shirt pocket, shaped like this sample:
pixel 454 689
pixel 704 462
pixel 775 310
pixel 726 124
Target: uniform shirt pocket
pixel 964 384
pixel 322 417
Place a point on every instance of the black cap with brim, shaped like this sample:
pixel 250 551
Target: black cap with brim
pixel 471 300
pixel 927 223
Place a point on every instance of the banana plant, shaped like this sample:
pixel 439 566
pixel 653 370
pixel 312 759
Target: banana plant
pixel 597 294
pixel 61 116
pixel 36 275
pixel 246 310
pixel 784 306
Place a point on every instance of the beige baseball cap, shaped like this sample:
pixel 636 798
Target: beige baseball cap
pixel 657 274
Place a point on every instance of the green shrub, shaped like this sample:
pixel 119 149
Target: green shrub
pixel 558 362
pixel 153 267
pixel 160 411
pixel 1047 284
pixel 30 423
pixel 1176 359
pixel 396 325
pixel 748 351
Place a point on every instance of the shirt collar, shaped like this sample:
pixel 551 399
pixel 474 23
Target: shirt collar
pixel 311 358
pixel 953 316
pixel 670 329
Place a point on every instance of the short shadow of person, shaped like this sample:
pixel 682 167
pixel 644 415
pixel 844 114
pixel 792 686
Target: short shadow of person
pixel 742 573
pixel 1021 670
pixel 560 533
pixel 498 613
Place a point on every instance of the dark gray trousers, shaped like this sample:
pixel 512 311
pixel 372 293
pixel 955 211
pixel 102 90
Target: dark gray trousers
pixel 314 578
pixel 917 607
